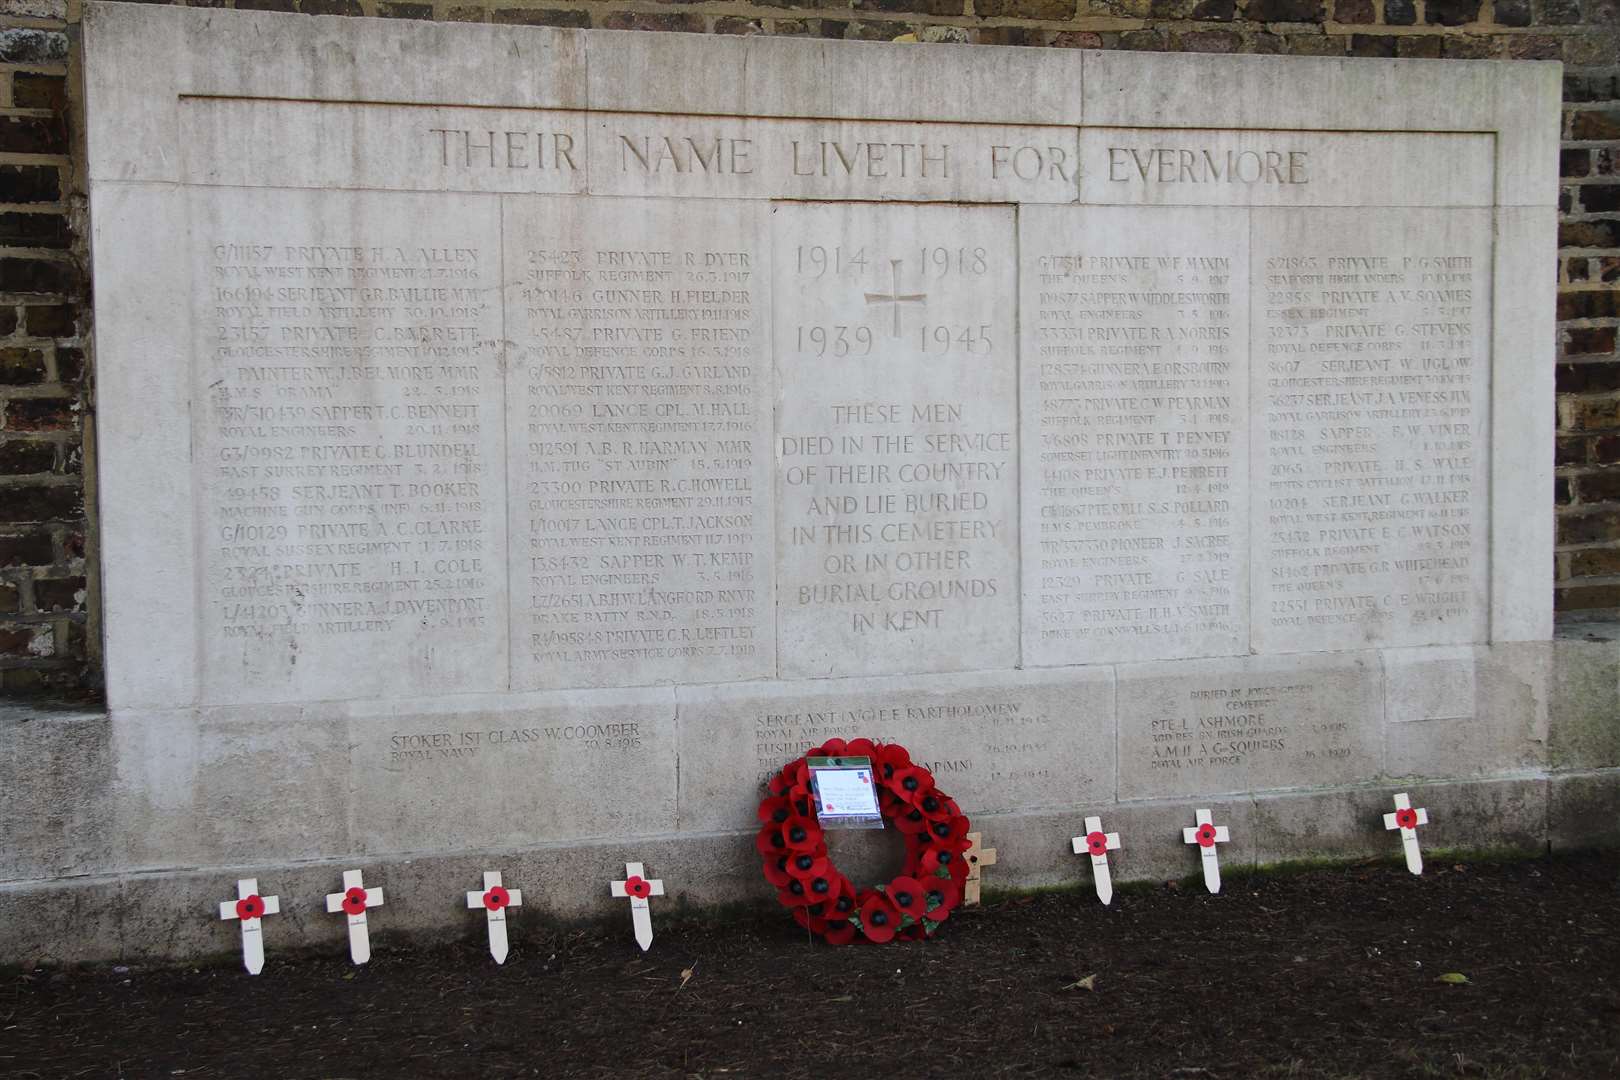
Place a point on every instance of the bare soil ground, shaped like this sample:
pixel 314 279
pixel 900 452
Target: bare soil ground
pixel 1321 974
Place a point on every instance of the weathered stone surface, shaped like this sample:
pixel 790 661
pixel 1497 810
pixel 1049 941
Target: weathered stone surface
pixel 639 433
pixel 897 445
pixel 1223 726
pixel 501 452
pixel 1135 422
pixel 1371 503
pixel 996 743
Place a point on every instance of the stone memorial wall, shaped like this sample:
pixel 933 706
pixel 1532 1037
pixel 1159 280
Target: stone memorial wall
pixel 525 440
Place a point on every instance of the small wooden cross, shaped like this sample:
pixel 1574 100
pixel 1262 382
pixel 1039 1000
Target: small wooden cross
pixel 250 907
pixel 978 857
pixel 1407 820
pixel 1098 844
pixel 495 898
pixel 638 888
pixel 353 902
pixel 1206 834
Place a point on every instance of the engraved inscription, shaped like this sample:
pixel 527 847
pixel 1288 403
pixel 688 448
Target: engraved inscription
pixel 1263 725
pixel 1371 471
pixel 639 426
pixel 349 454
pixel 896 445
pixel 1135 411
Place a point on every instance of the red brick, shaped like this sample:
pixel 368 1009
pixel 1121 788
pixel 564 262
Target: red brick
pixel 59 594
pixel 33 135
pixel 32 91
pixel 1598 486
pixel 1597 562
pixel 20 457
pixel 21 366
pixel 1588 304
pixel 636 20
pixel 38 276
pixel 1451 12
pixel 26 549
pixel 1357 12
pixel 1587 598
pixel 1595 125
pixel 730 24
pixel 541 17
pixel 1372 45
pixel 41 502
pixel 1580 340
pixel 44 230
pixel 50 320
pixel 30 183
pixel 1600 198
pixel 1592 527
pixel 40 414
pixel 988 9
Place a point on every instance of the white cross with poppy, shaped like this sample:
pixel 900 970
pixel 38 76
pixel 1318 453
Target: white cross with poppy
pixel 1406 819
pixel 1098 844
pixel 978 857
pixel 1206 834
pixel 495 898
pixel 638 887
pixel 353 902
pixel 251 908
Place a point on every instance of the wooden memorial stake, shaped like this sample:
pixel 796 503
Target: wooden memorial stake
pixel 1098 844
pixel 1407 820
pixel 1206 835
pixel 638 888
pixel 251 908
pixel 353 901
pixel 495 898
pixel 978 857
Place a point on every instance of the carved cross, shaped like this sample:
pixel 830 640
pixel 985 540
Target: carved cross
pixel 895 296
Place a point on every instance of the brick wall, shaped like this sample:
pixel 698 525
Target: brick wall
pixel 48 610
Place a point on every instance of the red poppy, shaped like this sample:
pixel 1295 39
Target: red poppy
pixel 794 895
pixel 805 865
pixel 891 759
pixel 935 805
pixel 637 886
pixel 879 919
pixel 802 833
pixel 841 903
pixel 909 819
pixel 860 748
pixel 1097 843
pixel 1406 819
pixel 775 810
pixel 250 907
pixel 497 898
pixel 936 857
pixel 914 932
pixel 839 933
pixel 906 893
pixel 1206 835
pixel 832 748
pixel 769 842
pixel 946 833
pixel 776 872
pixel 779 784
pixel 959 868
pixel 911 784
pixel 942 896
pixel 354 901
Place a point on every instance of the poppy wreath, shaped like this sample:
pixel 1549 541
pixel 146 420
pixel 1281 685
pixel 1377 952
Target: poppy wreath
pixel 822 900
